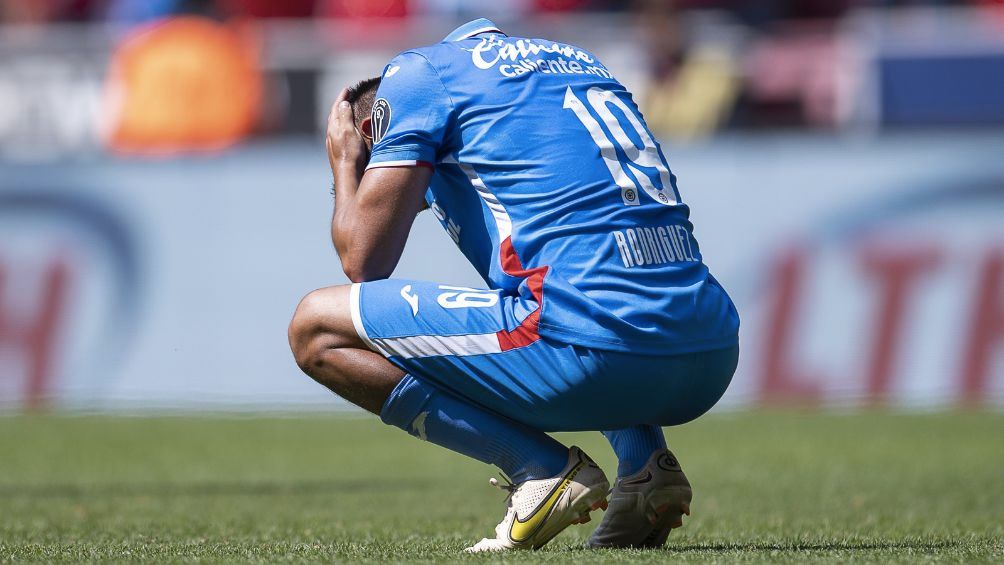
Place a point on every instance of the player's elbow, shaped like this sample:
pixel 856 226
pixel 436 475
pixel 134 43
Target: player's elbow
pixel 353 268
pixel 358 270
pixel 355 275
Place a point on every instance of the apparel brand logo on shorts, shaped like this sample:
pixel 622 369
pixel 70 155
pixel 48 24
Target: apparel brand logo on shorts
pixel 380 117
pixel 410 298
pixel 418 426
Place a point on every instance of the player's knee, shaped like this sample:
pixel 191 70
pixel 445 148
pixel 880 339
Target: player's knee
pixel 306 354
pixel 314 327
pixel 299 333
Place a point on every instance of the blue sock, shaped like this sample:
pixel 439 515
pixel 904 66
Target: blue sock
pixel 634 446
pixel 427 413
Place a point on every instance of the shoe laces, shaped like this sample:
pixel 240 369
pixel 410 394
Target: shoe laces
pixel 508 486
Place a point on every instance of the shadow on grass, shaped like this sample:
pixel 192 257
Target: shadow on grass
pixel 812 546
pixel 211 488
pixel 792 547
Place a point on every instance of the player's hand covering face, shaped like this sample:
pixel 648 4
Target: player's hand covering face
pixel 345 145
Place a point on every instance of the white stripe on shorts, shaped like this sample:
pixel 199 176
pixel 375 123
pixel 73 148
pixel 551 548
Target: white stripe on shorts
pixel 357 318
pixel 414 346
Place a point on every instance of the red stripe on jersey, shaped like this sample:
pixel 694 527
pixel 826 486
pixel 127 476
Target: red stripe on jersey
pixel 526 332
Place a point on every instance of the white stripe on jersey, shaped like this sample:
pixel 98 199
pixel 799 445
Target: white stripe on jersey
pixel 503 223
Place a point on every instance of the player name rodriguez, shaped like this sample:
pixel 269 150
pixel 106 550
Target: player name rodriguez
pixel 493 50
pixel 653 246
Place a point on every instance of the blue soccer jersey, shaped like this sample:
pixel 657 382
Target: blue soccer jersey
pixel 550 182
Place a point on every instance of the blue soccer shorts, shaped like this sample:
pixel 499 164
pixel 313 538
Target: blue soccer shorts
pixel 482 346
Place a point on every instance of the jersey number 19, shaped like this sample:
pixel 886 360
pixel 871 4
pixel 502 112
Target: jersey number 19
pixel 630 174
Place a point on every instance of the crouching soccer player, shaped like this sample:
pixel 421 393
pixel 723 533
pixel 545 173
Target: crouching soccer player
pixel 599 312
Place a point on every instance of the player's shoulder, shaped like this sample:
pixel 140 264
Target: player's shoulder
pixel 410 60
pixel 443 53
pixel 434 55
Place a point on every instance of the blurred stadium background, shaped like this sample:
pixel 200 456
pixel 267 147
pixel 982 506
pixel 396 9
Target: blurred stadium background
pixel 164 194
pixel 164 204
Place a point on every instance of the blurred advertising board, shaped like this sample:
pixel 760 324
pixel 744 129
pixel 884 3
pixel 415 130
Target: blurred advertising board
pixel 866 272
pixel 193 84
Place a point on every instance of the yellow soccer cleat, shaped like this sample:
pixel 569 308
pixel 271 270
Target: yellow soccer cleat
pixel 539 510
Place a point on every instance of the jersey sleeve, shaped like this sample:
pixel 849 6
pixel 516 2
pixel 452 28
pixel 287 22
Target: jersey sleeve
pixel 410 114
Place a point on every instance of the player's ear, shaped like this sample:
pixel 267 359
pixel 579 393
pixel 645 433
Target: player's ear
pixel 366 127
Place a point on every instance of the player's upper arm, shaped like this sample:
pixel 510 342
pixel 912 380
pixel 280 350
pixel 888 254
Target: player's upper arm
pixel 411 114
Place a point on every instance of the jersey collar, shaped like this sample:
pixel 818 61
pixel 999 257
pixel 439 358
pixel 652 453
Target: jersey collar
pixel 472 28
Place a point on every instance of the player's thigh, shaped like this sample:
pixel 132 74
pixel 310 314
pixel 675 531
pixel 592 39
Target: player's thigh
pixel 466 341
pixel 560 387
pixel 656 390
pixel 461 341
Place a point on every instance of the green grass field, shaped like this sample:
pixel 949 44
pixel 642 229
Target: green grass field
pixel 780 486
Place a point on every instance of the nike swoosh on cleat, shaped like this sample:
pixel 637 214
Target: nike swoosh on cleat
pixel 523 529
pixel 639 481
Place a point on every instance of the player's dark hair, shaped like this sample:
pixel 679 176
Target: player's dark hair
pixel 362 96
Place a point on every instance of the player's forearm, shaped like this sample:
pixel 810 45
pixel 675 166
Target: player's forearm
pixel 361 256
pixel 373 216
pixel 345 214
pixel 356 233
